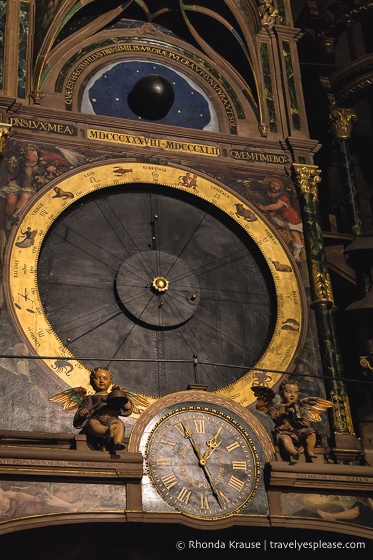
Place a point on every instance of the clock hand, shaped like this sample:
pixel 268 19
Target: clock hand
pixel 202 461
pixel 212 444
pixel 213 488
pixel 189 435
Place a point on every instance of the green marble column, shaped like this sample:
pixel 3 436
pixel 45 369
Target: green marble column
pixel 342 120
pixel 307 178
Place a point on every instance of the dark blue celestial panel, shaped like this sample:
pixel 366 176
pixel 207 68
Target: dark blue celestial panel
pixel 107 92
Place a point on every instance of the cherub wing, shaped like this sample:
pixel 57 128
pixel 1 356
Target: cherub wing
pixel 265 397
pixel 138 400
pixel 71 397
pixel 314 406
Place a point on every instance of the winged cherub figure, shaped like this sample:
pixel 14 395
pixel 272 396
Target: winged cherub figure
pixel 98 414
pixel 292 417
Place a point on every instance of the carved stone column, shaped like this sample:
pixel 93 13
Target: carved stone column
pixel 346 445
pixel 4 131
pixel 341 120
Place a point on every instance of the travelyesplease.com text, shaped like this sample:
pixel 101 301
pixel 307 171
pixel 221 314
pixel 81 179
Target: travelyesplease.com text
pixel 267 545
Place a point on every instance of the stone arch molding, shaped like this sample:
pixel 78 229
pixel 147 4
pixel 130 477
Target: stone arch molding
pixel 334 529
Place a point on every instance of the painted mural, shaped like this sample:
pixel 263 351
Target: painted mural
pixel 275 196
pixel 30 167
pixel 26 499
pixel 45 12
pixel 347 509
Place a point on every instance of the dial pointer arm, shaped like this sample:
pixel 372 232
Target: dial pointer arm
pixel 212 444
pixel 189 435
pixel 202 461
pixel 213 488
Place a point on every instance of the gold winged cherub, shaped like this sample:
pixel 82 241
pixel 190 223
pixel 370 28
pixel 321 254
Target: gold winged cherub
pixel 292 417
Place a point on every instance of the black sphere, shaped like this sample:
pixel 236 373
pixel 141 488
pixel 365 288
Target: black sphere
pixel 151 97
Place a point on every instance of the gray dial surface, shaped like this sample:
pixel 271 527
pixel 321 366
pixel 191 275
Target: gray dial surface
pixel 142 278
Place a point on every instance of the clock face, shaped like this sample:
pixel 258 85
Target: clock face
pixel 164 276
pixel 202 462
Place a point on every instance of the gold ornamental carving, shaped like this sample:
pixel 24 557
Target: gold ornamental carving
pixel 37 95
pixel 323 287
pixel 267 13
pixel 341 120
pixel 341 411
pixel 4 131
pixel 307 176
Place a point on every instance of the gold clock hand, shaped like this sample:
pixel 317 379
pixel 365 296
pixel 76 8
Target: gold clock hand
pixel 212 444
pixel 202 460
pixel 189 435
pixel 213 488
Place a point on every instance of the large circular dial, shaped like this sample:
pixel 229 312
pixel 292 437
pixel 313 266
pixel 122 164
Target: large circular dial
pixel 202 462
pixel 165 276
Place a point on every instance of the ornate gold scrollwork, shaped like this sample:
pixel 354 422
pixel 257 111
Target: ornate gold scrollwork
pixel 267 13
pixel 341 120
pixel 322 286
pixel 307 178
pixel 341 410
pixel 4 130
pixel 366 362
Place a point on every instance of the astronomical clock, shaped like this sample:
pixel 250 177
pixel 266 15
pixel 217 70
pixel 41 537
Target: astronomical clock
pixel 124 264
pixel 149 224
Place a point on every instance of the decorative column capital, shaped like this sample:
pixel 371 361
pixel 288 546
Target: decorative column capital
pixel 341 121
pixel 307 177
pixel 37 95
pixel 4 130
pixel 267 13
pixel 327 44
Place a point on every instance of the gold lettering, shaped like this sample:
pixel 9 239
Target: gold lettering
pixel 184 495
pixel 239 465
pixel 199 426
pixel 164 461
pixel 204 502
pixel 179 427
pixel 236 483
pixel 169 480
pixel 170 443
pixel 232 446
pixel 223 497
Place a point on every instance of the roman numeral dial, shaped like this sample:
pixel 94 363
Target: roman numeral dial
pixel 202 462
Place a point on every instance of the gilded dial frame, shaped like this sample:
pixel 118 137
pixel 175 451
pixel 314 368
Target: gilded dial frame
pixel 202 462
pixel 21 285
